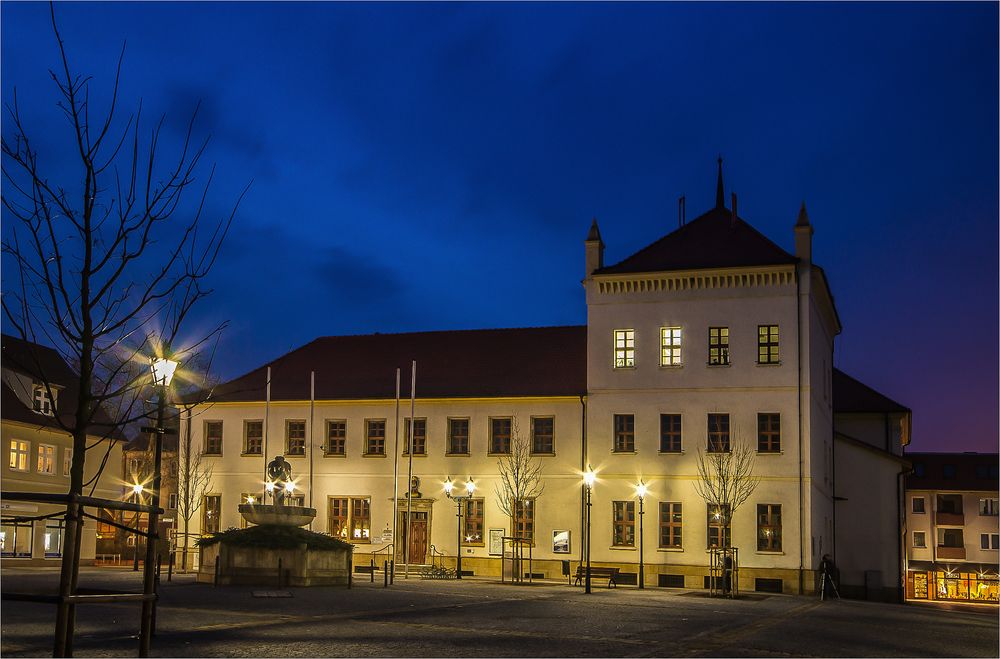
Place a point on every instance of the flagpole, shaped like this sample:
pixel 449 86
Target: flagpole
pixel 409 469
pixel 395 473
pixel 267 412
pixel 312 415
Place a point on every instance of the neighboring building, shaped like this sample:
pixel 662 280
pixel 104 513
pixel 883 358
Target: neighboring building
pixel 36 386
pixel 952 535
pixel 711 336
pixel 870 431
pixel 137 468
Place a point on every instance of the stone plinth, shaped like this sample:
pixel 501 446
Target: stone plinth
pixel 258 566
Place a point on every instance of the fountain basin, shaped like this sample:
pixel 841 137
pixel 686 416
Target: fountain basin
pixel 271 515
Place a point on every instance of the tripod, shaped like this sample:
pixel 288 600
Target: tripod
pixel 822 585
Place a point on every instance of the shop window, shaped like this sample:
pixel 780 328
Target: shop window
pixel 920 585
pixel 53 539
pixel 16 538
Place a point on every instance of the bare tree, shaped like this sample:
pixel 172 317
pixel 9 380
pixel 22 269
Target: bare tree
pixel 726 481
pixel 520 475
pixel 104 266
pixel 193 479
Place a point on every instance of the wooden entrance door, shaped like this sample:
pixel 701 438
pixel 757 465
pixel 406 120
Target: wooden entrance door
pixel 417 541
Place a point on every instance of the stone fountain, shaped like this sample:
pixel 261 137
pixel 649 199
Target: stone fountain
pixel 273 551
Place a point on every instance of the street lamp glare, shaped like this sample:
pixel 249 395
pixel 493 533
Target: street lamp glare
pixel 448 486
pixel 470 486
pixel 269 486
pixel 589 477
pixel 137 488
pixel 289 487
pixel 162 370
pixel 641 490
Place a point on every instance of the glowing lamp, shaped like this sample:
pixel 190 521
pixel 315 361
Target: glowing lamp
pixel 269 486
pixel 641 490
pixel 589 477
pixel 289 487
pixel 470 487
pixel 448 486
pixel 162 370
pixel 250 500
pixel 137 488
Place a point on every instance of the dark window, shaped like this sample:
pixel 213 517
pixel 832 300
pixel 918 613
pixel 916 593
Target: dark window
pixel 670 433
pixel 768 527
pixel 624 433
pixel 717 518
pixel 949 503
pixel 919 469
pixel 918 505
pixel 670 524
pixel 336 437
pixel 473 522
pixel 524 519
pixel 623 524
pixel 767 344
pixel 718 346
pixel 543 435
pixel 253 437
pixel 769 433
pixel 982 471
pixel 718 433
pixel 211 510
pixel 213 438
pixel 374 436
pixel 948 471
pixel 919 539
pixel 295 438
pixel 458 436
pixel 419 437
pixel 950 538
pixel 500 435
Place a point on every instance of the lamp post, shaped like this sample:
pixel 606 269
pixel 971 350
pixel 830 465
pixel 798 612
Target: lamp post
pixel 162 370
pixel 640 490
pixel 470 489
pixel 136 494
pixel 588 479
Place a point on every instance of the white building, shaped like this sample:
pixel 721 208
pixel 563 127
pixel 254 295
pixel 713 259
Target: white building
pixel 711 336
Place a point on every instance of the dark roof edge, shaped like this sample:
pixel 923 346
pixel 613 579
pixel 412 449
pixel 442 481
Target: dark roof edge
pixel 874 449
pixel 899 407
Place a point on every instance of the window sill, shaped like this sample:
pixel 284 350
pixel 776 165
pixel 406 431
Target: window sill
pixel 769 552
pixel 711 365
pixel 671 367
pixel 295 455
pixel 334 455
pixel 614 452
pixel 457 455
pixel 211 455
pixel 373 455
pixel 777 363
pixel 490 454
pixel 670 549
pixel 770 452
pixel 621 548
pixel 416 455
pixel 625 368
pixel 671 452
pixel 551 454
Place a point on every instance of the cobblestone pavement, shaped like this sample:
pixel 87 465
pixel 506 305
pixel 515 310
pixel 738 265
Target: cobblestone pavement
pixel 480 618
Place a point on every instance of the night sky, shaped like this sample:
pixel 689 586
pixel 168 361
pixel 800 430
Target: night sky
pixel 422 167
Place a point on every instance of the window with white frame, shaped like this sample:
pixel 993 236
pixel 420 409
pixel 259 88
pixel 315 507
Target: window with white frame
pixel 670 346
pixel 19 454
pixel 41 400
pixel 988 507
pixel 624 348
pixel 989 541
pixel 918 505
pixel 919 539
pixel 46 459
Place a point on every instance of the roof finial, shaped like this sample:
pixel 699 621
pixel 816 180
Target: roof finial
pixel 803 219
pixel 720 191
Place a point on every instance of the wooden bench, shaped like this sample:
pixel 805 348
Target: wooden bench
pixel 609 573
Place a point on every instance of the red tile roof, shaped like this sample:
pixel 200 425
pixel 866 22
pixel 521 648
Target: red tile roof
pixel 533 361
pixel 709 241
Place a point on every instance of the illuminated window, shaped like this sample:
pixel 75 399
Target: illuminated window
pixel 295 437
pixel 374 436
pixel 624 348
pixel 524 519
pixel 41 400
pixel 473 522
pixel 988 507
pixel 211 512
pixel 718 433
pixel 419 436
pixel 53 538
pixel 336 437
pixel 769 433
pixel 458 436
pixel 361 519
pixel 46 459
pixel 338 514
pixel 670 346
pixel 16 539
pixel 213 438
pixel 253 437
pixel 67 461
pixel 624 433
pixel 767 344
pixel 19 454
pixel 718 346
pixel 543 435
pixel 670 524
pixel 670 433
pixel 768 527
pixel 717 518
pixel 919 539
pixel 918 505
pixel 623 524
pixel 500 435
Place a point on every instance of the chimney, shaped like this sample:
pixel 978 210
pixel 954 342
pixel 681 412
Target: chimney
pixel 594 250
pixel 803 236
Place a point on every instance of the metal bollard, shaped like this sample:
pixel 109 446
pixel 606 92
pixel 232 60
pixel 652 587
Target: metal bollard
pixel 350 571
pixel 385 574
pixel 170 567
pixel 279 573
pixel 373 569
pixel 215 578
pixel 392 571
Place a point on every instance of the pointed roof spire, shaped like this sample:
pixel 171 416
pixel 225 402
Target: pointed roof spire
pixel 803 220
pixel 595 233
pixel 720 191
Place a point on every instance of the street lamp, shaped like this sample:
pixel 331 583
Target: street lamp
pixel 470 489
pixel 162 370
pixel 588 479
pixel 640 491
pixel 136 497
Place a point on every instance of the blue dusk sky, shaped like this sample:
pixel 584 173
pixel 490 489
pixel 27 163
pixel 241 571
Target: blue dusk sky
pixel 437 166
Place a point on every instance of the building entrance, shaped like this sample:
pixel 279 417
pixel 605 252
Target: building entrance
pixel 413 536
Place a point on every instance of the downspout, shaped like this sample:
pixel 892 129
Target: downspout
pixel 900 534
pixel 798 335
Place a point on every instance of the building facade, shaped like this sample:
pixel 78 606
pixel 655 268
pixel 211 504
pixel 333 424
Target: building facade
pixel 952 534
pixel 709 338
pixel 37 385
